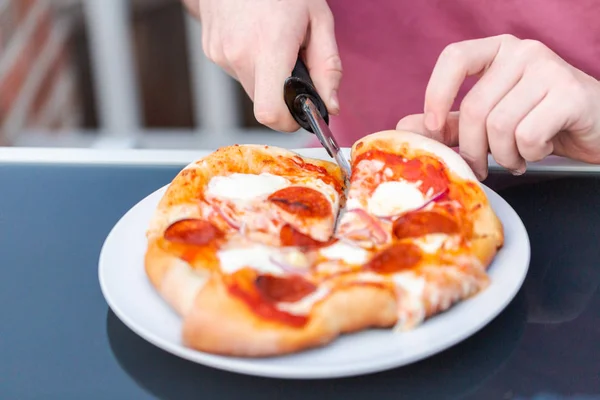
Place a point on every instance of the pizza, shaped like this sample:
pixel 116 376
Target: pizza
pixel 264 252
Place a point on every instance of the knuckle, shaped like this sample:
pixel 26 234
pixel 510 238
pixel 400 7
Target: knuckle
pixel 530 47
pixel 333 63
pixel 215 54
pixel 235 56
pixel 275 119
pixel 527 139
pixel 454 52
pixel 266 116
pixel 472 109
pixel 508 38
pixel 497 123
pixel 234 51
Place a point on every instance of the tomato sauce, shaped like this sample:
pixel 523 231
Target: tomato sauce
pixel 320 172
pixel 425 168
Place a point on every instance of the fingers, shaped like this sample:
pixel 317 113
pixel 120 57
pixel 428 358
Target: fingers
pixel 503 120
pixel 534 133
pixel 473 147
pixel 322 57
pixel 527 104
pixel 412 123
pixel 275 64
pixel 455 63
pixel 448 134
pixel 476 107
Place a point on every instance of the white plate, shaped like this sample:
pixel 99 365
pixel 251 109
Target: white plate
pixel 133 299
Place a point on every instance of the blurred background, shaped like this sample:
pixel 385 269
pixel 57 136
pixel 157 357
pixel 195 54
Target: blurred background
pixel 117 74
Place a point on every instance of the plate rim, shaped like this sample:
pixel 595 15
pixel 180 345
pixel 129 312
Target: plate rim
pixel 248 366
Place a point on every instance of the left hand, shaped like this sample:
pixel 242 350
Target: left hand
pixel 528 103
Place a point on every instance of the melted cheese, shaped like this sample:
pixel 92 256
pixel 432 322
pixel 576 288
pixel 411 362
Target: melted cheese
pixel 392 198
pixel 353 203
pixel 244 187
pixel 346 253
pixel 411 308
pixel 410 282
pixel 257 257
pixel 304 305
pixel 432 243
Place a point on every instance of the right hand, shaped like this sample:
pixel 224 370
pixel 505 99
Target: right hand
pixel 257 42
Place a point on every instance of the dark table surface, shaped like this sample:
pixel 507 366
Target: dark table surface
pixel 59 339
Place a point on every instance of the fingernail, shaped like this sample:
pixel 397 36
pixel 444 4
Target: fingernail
pixel 334 102
pixel 431 122
pixel 518 171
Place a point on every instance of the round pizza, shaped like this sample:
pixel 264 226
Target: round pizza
pixel 264 252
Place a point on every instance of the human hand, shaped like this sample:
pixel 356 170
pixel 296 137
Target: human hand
pixel 527 104
pixel 257 42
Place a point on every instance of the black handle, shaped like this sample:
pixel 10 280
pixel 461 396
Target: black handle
pixel 297 87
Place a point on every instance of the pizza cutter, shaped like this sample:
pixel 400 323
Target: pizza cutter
pixel 310 112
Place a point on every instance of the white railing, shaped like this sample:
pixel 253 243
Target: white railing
pixel 117 94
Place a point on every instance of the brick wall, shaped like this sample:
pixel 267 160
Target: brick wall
pixel 37 77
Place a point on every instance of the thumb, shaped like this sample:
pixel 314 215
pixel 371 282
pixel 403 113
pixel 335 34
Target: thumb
pixel 322 56
pixel 448 135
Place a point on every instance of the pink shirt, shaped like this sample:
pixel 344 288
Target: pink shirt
pixel 389 47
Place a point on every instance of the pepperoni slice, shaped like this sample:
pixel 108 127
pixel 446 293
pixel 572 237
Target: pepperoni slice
pixel 396 258
pixel 290 236
pixel 302 201
pixel 423 223
pixel 261 293
pixel 192 231
pixel 284 289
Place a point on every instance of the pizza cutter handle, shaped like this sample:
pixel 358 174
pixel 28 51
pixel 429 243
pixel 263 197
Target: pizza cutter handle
pixel 298 87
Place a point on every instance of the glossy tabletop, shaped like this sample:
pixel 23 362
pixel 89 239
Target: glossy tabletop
pixel 59 339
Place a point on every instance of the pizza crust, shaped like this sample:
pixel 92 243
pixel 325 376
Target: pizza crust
pixel 222 324
pixel 174 279
pixel 400 141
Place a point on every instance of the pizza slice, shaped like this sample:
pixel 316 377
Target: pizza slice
pixel 423 220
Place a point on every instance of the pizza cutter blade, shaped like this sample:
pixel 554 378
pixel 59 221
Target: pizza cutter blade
pixel 309 110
